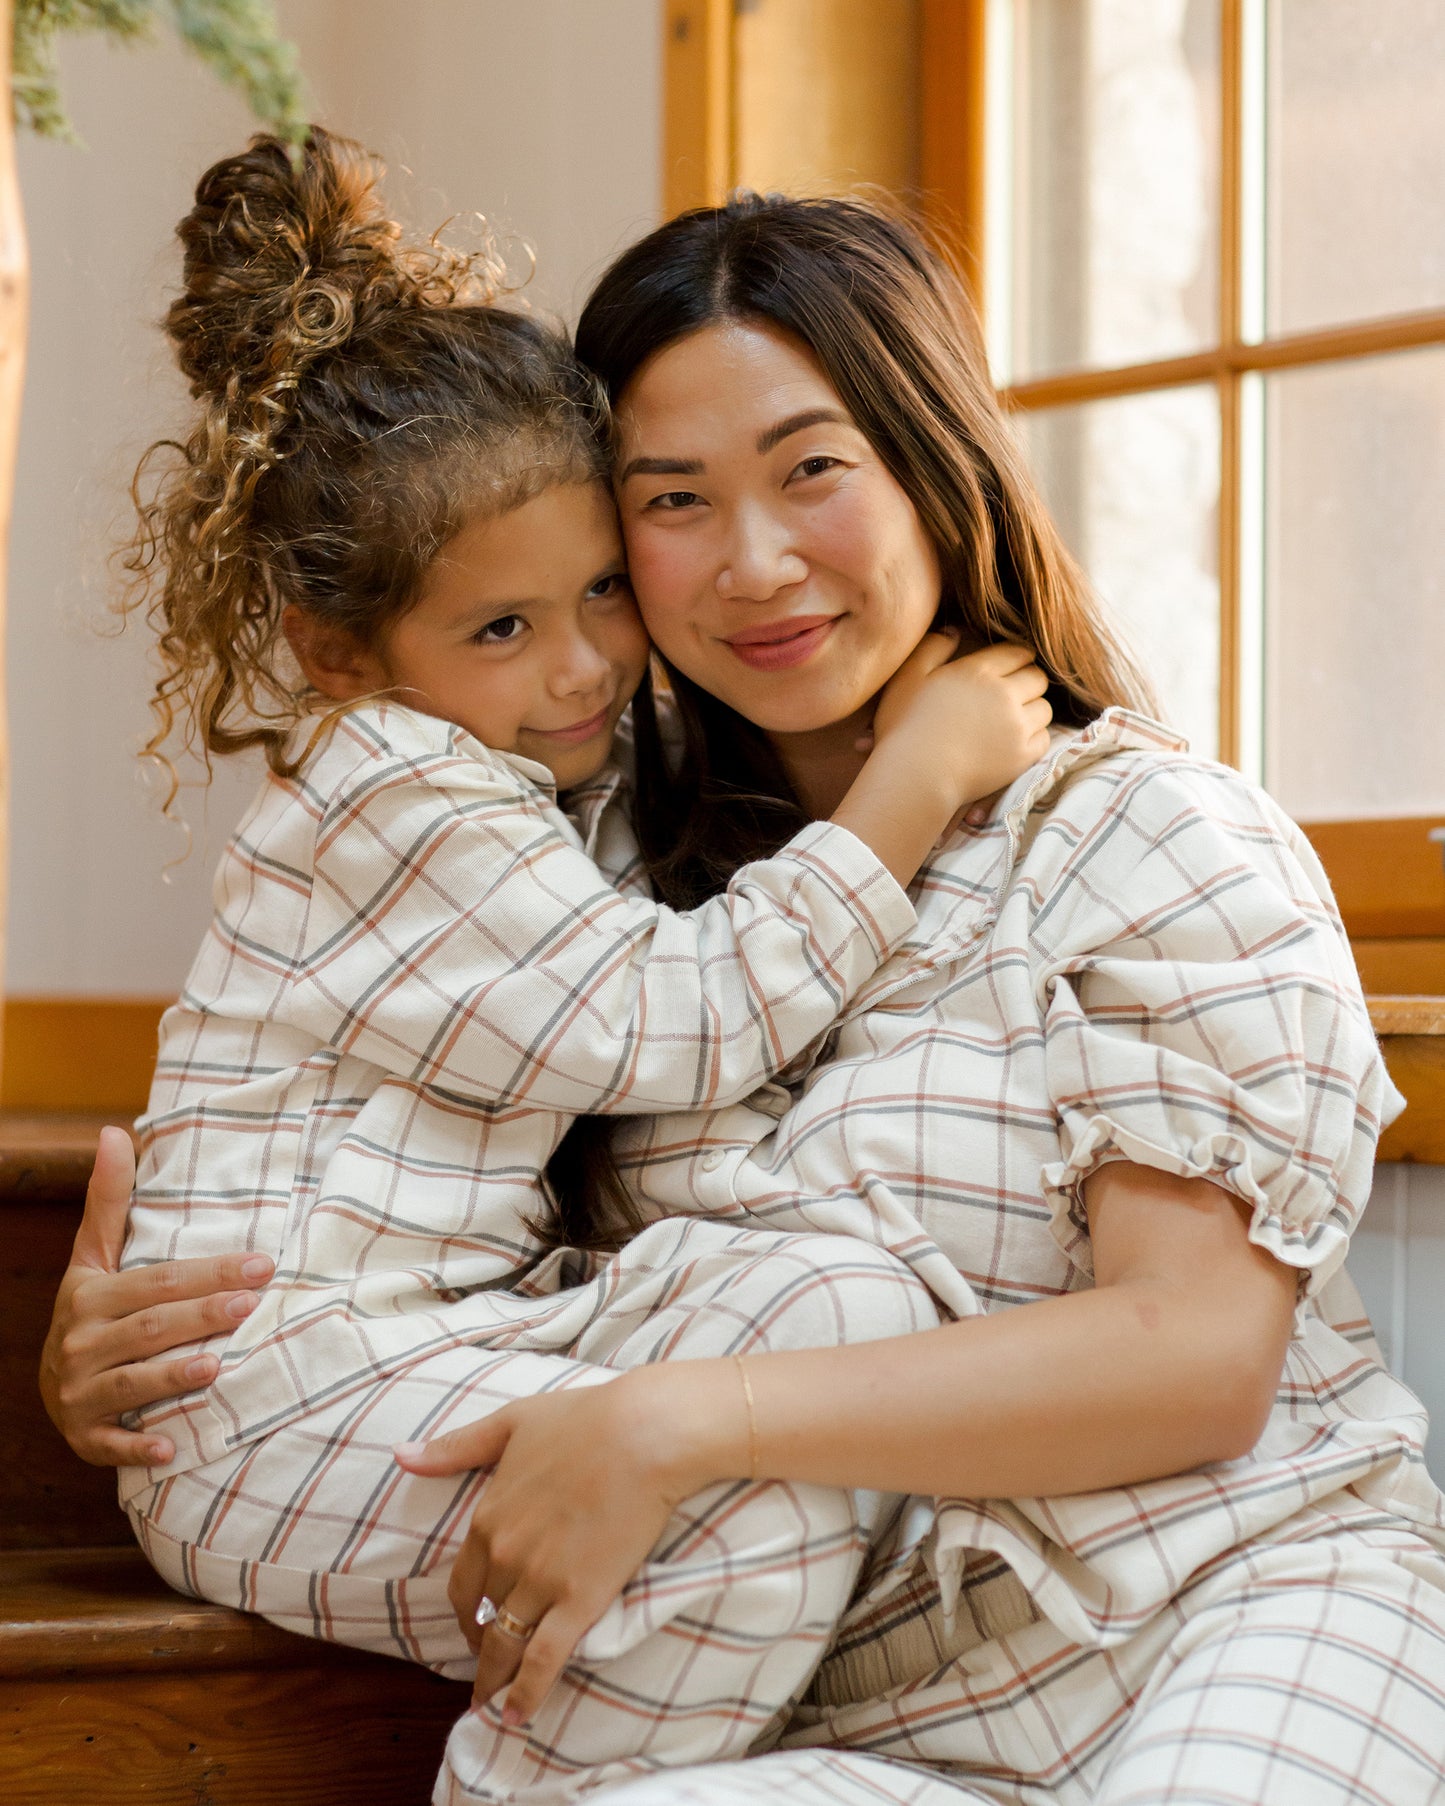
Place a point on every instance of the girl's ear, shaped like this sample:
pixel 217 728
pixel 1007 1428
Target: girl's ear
pixel 332 660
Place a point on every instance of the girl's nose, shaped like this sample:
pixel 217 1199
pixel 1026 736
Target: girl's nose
pixel 578 668
pixel 758 561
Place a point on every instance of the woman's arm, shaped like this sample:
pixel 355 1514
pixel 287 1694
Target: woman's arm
pixel 109 1329
pixel 1170 1362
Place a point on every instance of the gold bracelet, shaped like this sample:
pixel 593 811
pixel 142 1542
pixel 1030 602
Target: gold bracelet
pixel 752 1418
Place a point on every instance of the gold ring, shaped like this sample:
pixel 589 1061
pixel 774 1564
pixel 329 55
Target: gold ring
pixel 511 1626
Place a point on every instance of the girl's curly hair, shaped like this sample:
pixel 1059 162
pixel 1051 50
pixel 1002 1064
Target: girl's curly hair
pixel 360 400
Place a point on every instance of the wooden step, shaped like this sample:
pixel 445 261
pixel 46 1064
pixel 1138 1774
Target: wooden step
pixel 47 1497
pixel 47 1159
pixel 113 1688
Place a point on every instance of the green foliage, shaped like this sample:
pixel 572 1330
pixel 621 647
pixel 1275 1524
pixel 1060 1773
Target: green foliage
pixel 237 38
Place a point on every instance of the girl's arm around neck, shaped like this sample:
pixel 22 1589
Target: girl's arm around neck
pixel 946 733
pixel 1169 1363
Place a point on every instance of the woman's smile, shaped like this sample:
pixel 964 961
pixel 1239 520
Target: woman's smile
pixel 782 644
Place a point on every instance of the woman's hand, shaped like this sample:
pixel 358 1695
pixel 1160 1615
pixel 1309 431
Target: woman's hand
pixel 583 1484
pixel 108 1328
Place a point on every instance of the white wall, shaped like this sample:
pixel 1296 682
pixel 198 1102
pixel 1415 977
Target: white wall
pixel 1397 1259
pixel 545 115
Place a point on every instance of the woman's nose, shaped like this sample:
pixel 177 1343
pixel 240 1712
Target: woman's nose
pixel 758 560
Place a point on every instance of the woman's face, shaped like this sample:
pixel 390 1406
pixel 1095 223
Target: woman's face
pixel 776 560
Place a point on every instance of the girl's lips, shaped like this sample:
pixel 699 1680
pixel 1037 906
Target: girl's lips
pixel 582 730
pixel 784 644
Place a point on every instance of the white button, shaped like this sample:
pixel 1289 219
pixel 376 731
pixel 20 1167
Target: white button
pixel 712 1160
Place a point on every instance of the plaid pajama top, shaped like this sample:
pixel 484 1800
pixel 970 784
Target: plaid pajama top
pixel 415 978
pixel 1138 959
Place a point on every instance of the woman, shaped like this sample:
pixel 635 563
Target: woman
pixel 1122 1077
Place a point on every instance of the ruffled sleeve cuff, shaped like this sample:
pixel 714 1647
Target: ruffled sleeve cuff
pixel 1311 1233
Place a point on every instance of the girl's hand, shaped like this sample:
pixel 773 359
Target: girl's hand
pixel 108 1327
pixel 983 717
pixel 583 1484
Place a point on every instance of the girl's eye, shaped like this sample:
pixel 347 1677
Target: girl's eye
pixel 615 583
pixel 501 631
pixel 674 500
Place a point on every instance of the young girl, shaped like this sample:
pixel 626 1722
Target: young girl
pixel 387 555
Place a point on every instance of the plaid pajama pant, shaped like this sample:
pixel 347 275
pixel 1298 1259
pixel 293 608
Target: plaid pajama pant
pixel 704 1656
pixel 1303 1672
pixel 1308 1670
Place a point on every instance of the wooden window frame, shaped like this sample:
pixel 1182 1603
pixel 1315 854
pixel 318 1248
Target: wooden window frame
pixel 960 41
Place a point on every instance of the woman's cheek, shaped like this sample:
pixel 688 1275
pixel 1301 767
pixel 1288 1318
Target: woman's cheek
pixel 665 574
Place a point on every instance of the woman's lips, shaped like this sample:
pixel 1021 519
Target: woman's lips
pixel 779 644
pixel 582 730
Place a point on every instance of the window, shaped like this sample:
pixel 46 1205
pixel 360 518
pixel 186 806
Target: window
pixel 1208 239
pixel 1213 274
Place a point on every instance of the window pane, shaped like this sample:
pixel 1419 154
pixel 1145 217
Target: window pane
pixel 1116 181
pixel 1356 141
pixel 1355 587
pixel 1134 487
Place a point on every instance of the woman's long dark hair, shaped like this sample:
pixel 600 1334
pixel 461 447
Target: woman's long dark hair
pixel 896 336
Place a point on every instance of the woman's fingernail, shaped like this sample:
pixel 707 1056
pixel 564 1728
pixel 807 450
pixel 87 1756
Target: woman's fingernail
pixel 203 1367
pixel 409 1451
pixel 511 1718
pixel 242 1305
pixel 159 1453
pixel 257 1267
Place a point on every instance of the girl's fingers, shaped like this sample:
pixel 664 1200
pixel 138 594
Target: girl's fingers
pixel 977 814
pixel 933 650
pixel 1008 656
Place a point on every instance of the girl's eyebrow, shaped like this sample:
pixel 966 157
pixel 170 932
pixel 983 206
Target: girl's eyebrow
pixel 769 438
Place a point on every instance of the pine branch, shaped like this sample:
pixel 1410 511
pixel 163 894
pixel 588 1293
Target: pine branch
pixel 238 39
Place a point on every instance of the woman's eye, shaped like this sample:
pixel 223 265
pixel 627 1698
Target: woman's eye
pixel 501 631
pixel 816 467
pixel 674 499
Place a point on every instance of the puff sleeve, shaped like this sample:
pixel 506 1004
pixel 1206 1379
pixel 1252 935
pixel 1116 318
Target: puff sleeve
pixel 1202 1014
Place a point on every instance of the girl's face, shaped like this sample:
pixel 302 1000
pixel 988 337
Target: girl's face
pixel 776 560
pixel 526 633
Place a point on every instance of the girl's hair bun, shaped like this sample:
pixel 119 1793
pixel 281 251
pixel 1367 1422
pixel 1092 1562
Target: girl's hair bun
pixel 359 400
pixel 280 250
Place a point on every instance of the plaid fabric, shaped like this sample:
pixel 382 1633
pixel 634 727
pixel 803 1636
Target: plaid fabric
pixel 415 977
pixel 1305 1670
pixel 801 1777
pixel 315 1527
pixel 1139 960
